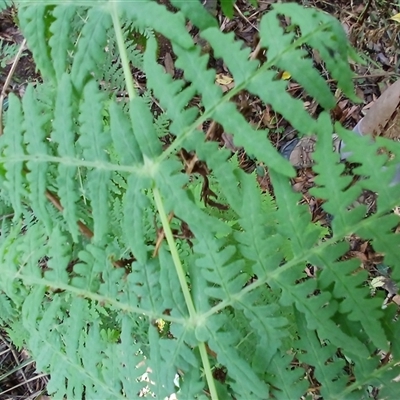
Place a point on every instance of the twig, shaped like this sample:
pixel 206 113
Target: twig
pixel 6 216
pixel 363 15
pixel 161 236
pixel 8 80
pixel 34 378
pixel 254 54
pixel 244 17
pixel 11 348
pixel 57 204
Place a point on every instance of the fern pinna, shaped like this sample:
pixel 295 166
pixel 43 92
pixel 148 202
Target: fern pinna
pixel 115 269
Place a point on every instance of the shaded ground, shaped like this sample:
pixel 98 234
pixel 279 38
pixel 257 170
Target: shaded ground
pixel 371 32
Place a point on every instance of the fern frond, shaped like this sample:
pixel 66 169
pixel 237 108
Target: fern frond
pixel 59 258
pixel 321 356
pixel 267 324
pixel 143 128
pixel 163 372
pixel 223 343
pixel 168 24
pixel 294 219
pixel 354 300
pixel 200 16
pixel 173 98
pixel 331 39
pixel 6 310
pixel 35 137
pixel 319 310
pixel 90 53
pixel 64 132
pixel 61 42
pixel 94 142
pixel 170 181
pixel 143 281
pixel 11 143
pixel 124 140
pixel 172 299
pixel 333 181
pixel 35 24
pixel 230 286
pixel 374 167
pixel 286 382
pixel 135 204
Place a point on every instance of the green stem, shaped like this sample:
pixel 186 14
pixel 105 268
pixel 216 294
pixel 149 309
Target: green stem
pixel 174 253
pixel 207 370
pixel 130 87
pixel 184 286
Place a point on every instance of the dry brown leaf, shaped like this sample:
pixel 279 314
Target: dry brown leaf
pixel 382 112
pixel 169 64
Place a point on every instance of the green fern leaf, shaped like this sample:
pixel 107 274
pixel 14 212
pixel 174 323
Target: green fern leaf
pixel 163 371
pixel 318 310
pixel 169 92
pixel 331 183
pixel 170 25
pixel 131 364
pixel 254 141
pixel 90 53
pixel 378 172
pixel 294 219
pixel 267 324
pixel 61 41
pixel 224 275
pixel 258 238
pixel 245 74
pixel 302 70
pixel 224 46
pixel 356 302
pixel 14 289
pixel 331 43
pixel 172 298
pixel 13 152
pixel 199 15
pixel 35 138
pixel 94 141
pixel 245 382
pixel 59 258
pixel 144 282
pixel 124 140
pixel 378 178
pixel 6 310
pixel 170 181
pixel 35 22
pixel 135 205
pixel 64 135
pixel 328 369
pixel 89 268
pixel 143 128
pixel 191 385
pixel 286 383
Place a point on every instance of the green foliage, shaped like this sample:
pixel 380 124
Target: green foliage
pixel 112 265
pixel 7 53
pixel 4 4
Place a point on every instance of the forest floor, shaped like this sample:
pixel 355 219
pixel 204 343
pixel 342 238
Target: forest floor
pixel 372 32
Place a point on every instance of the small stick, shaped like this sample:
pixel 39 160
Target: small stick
pixel 17 361
pixel 161 236
pixel 245 18
pixel 57 204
